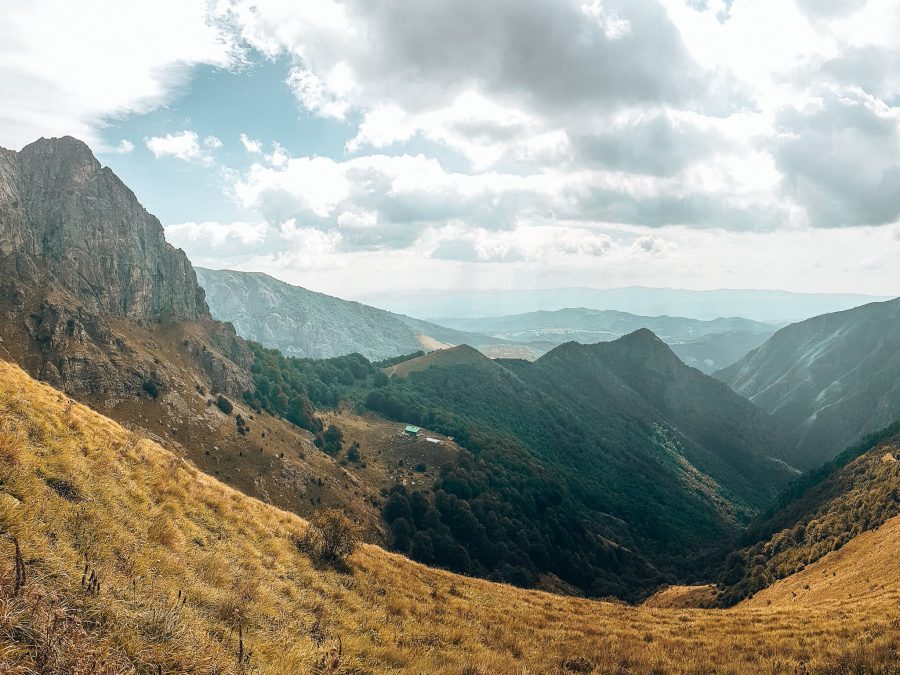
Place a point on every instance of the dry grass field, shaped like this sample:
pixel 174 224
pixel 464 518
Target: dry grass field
pixel 131 559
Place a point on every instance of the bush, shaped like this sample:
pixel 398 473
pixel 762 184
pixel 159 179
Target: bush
pixel 331 537
pixel 242 427
pixel 353 453
pixel 224 404
pixel 151 388
pixel 332 440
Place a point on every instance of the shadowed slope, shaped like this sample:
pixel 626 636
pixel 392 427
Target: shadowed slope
pixel 829 380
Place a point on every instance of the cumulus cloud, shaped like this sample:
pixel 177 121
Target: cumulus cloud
pixel 236 236
pixel 251 145
pixel 840 157
pixel 69 67
pixel 184 145
pixel 512 134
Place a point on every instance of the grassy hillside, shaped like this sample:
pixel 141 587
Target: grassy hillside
pixel 453 356
pixel 190 569
pixel 857 492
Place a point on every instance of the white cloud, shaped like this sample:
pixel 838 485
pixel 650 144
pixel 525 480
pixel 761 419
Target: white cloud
pixel 278 157
pixel 123 148
pixel 216 236
pixel 251 145
pixel 184 145
pixel 68 67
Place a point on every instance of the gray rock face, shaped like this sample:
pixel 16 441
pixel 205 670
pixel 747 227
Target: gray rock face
pixel 303 323
pixel 92 297
pixel 59 206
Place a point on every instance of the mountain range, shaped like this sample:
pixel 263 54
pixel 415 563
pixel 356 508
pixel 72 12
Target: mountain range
pixel 623 432
pixel 607 469
pixel 778 307
pixel 706 345
pixel 304 323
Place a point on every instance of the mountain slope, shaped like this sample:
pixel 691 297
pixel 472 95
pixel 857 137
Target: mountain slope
pixel 830 379
pixel 303 323
pixel 857 492
pixel 96 303
pixel 306 324
pixel 190 570
pixel 617 453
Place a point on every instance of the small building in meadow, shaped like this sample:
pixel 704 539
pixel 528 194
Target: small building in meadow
pixel 412 431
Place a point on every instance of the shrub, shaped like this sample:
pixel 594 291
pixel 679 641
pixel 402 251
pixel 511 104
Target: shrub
pixel 353 453
pixel 224 404
pixel 332 440
pixel 242 427
pixel 151 388
pixel 331 537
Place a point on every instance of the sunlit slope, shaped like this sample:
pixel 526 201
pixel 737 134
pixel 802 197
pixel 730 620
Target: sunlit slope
pixel 186 564
pixel 865 570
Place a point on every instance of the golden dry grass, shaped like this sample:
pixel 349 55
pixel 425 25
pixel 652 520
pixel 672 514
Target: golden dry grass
pixel 184 561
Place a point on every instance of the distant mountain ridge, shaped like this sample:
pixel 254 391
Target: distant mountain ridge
pixel 708 345
pixel 759 305
pixel 300 322
pixel 307 324
pixel 830 379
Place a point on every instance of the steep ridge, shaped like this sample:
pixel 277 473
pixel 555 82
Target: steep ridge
pixel 80 258
pixel 830 380
pixel 306 324
pixel 59 206
pixel 620 445
pixel 192 573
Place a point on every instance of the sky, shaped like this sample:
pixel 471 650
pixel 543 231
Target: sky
pixel 356 147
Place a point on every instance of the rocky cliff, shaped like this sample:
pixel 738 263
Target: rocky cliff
pixel 87 278
pixel 80 223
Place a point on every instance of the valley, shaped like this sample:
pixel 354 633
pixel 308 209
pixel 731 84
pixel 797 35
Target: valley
pixel 195 576
pixel 618 508
pixel 555 337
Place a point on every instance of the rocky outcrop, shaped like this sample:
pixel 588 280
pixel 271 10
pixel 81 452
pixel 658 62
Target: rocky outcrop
pixel 79 222
pixel 92 298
